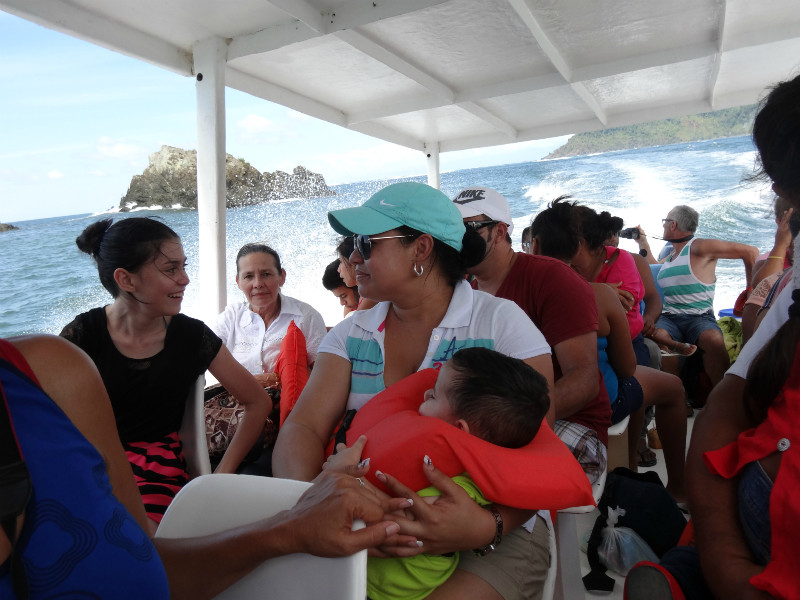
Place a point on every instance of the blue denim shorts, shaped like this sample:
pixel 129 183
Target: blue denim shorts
pixel 641 351
pixel 687 328
pixel 629 399
pixel 755 488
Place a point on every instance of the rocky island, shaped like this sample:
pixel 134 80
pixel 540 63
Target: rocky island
pixel 6 227
pixel 170 180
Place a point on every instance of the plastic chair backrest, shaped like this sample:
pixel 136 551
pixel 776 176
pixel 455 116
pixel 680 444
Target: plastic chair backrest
pixel 549 589
pixel 214 503
pixel 193 431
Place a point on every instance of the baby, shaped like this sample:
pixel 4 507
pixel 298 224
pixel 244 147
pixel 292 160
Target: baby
pixel 484 393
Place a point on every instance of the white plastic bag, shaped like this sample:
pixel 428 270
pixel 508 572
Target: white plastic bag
pixel 622 547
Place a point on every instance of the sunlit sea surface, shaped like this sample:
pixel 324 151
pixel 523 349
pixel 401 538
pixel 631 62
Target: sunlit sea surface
pixel 45 281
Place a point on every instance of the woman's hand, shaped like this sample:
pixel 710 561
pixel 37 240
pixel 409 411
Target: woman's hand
pixel 453 522
pixel 625 297
pixel 266 380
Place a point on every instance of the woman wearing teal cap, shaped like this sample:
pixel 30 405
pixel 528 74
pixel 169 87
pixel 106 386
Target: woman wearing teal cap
pixel 411 254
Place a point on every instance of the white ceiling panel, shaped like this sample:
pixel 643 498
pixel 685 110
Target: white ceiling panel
pixel 461 73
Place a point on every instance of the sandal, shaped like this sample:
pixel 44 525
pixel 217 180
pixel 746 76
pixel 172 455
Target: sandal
pixel 684 349
pixel 647 458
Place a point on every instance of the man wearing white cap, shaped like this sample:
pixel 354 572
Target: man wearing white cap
pixel 562 306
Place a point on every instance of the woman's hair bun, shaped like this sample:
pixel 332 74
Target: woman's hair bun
pixel 90 239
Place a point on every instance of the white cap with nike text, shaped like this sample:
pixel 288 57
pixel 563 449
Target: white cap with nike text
pixel 474 201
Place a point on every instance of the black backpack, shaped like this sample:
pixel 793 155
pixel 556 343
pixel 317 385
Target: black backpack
pixel 650 511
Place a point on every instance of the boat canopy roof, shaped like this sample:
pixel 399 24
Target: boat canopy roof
pixel 457 74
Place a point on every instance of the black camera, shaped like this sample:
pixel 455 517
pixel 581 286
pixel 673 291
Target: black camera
pixel 631 233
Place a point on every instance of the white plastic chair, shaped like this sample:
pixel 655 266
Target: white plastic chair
pixel 214 503
pixel 548 591
pixel 618 444
pixel 568 581
pixel 193 431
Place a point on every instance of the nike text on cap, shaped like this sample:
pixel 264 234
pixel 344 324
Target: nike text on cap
pixel 415 205
pixel 475 201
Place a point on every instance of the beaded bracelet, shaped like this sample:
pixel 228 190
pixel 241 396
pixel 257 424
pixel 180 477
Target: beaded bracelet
pixel 498 534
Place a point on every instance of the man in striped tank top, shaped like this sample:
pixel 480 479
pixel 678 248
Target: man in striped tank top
pixel 688 278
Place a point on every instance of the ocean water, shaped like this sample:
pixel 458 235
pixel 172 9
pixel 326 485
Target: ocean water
pixel 45 281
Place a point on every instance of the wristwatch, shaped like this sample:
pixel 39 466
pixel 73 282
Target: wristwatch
pixel 498 532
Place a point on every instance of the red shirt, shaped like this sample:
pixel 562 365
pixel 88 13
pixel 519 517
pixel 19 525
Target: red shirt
pixel 776 432
pixel 562 305
pixel 623 270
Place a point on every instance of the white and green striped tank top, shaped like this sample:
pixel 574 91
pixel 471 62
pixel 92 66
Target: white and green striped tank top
pixel 683 292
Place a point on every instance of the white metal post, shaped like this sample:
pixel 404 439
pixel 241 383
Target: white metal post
pixel 209 67
pixel 432 154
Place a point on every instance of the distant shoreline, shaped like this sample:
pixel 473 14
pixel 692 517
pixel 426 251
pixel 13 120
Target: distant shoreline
pixel 722 124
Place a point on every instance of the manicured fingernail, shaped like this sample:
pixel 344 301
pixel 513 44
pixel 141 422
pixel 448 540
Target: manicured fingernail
pixel 419 543
pixel 380 476
pixel 364 464
pixel 427 461
pixel 392 528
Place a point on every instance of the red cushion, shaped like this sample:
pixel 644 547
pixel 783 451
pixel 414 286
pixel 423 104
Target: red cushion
pixel 542 475
pixel 292 367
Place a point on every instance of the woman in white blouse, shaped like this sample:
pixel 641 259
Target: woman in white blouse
pixel 253 330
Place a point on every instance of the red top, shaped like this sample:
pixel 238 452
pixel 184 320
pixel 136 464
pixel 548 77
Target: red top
pixel 562 305
pixel 781 577
pixel 623 270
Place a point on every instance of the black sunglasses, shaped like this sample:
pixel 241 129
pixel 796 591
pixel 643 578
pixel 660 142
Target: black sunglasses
pixel 476 225
pixel 363 243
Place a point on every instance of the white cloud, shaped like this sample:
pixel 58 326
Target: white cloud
pixel 96 173
pixel 376 162
pixel 41 151
pixel 254 128
pixel 132 153
pixel 55 175
pixel 82 99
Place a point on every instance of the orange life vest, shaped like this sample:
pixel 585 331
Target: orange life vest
pixel 542 475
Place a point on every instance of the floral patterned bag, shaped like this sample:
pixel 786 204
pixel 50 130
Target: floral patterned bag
pixel 223 415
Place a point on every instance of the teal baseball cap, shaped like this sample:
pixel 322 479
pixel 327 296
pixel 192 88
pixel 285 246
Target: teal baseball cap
pixel 415 205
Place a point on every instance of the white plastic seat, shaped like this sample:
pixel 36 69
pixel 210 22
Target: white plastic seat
pixel 568 582
pixel 618 444
pixel 193 431
pixel 550 581
pixel 213 503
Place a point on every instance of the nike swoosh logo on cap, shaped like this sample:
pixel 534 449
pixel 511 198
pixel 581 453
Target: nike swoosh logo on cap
pixel 383 203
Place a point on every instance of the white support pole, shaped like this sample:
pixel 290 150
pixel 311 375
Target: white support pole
pixel 209 67
pixel 432 154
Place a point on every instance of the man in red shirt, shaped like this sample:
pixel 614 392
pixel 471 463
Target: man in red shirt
pixel 562 306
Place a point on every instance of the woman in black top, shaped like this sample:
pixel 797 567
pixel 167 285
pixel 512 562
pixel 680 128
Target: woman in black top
pixel 149 354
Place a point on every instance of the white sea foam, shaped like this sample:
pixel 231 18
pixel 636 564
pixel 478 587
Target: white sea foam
pixel 639 185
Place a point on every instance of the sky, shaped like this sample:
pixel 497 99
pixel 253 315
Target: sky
pixel 77 122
